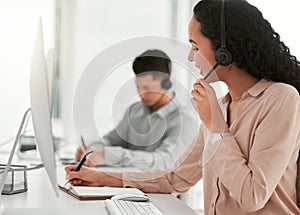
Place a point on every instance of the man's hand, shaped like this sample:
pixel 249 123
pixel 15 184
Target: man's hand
pixel 81 151
pixel 96 158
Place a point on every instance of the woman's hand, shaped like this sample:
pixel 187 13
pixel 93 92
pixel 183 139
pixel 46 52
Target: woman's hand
pixel 206 103
pixel 84 177
pixel 91 177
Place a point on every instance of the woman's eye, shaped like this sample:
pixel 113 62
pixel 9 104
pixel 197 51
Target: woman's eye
pixel 195 49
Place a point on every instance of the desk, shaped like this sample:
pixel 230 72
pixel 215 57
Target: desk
pixel 41 195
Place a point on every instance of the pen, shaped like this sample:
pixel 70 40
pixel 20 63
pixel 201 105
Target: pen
pixel 81 162
pixel 83 143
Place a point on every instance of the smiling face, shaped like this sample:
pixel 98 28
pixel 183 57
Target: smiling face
pixel 202 53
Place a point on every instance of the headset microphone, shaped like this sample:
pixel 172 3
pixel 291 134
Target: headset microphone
pixel 223 55
pixel 211 71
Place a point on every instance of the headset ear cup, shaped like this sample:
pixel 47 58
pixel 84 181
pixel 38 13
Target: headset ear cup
pixel 166 84
pixel 223 56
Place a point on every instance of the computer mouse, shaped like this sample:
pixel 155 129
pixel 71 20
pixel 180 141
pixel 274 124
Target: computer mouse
pixel 131 197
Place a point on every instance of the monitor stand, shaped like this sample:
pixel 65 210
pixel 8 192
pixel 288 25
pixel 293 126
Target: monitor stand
pixel 23 211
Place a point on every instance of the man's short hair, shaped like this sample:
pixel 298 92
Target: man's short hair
pixel 153 61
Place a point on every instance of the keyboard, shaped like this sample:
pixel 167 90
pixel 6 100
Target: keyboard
pixel 120 207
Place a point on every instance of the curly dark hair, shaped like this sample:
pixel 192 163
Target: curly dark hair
pixel 255 46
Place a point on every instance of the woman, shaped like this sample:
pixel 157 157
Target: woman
pixel 247 154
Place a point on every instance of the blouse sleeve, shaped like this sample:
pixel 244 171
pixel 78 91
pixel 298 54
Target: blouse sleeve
pixel 187 172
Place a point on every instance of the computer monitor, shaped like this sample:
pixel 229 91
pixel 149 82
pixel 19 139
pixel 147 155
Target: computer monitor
pixel 50 62
pixel 27 146
pixel 41 109
pixel 41 116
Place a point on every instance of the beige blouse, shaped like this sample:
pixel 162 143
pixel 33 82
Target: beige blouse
pixel 251 172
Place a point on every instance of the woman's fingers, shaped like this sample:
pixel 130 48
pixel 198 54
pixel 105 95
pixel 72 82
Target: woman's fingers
pixel 203 83
pixel 199 92
pixel 76 182
pixel 201 89
pixel 196 95
pixel 208 89
pixel 70 168
pixel 74 175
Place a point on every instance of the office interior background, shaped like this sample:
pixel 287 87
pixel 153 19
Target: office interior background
pixel 78 30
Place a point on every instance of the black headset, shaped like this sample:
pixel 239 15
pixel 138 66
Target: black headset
pixel 166 83
pixel 223 55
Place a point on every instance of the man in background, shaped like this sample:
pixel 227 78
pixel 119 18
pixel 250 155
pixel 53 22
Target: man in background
pixel 153 132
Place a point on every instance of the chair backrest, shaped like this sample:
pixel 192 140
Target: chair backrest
pixel 298 182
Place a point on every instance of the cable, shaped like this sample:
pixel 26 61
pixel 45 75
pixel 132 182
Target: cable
pixel 7 141
pixel 24 169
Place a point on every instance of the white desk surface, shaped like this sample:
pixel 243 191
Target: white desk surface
pixel 41 195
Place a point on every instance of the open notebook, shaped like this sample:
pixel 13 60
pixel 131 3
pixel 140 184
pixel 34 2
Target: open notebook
pixel 97 193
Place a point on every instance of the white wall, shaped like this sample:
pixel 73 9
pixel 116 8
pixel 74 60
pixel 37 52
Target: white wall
pixel 89 27
pixel 284 17
pixel 18 25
